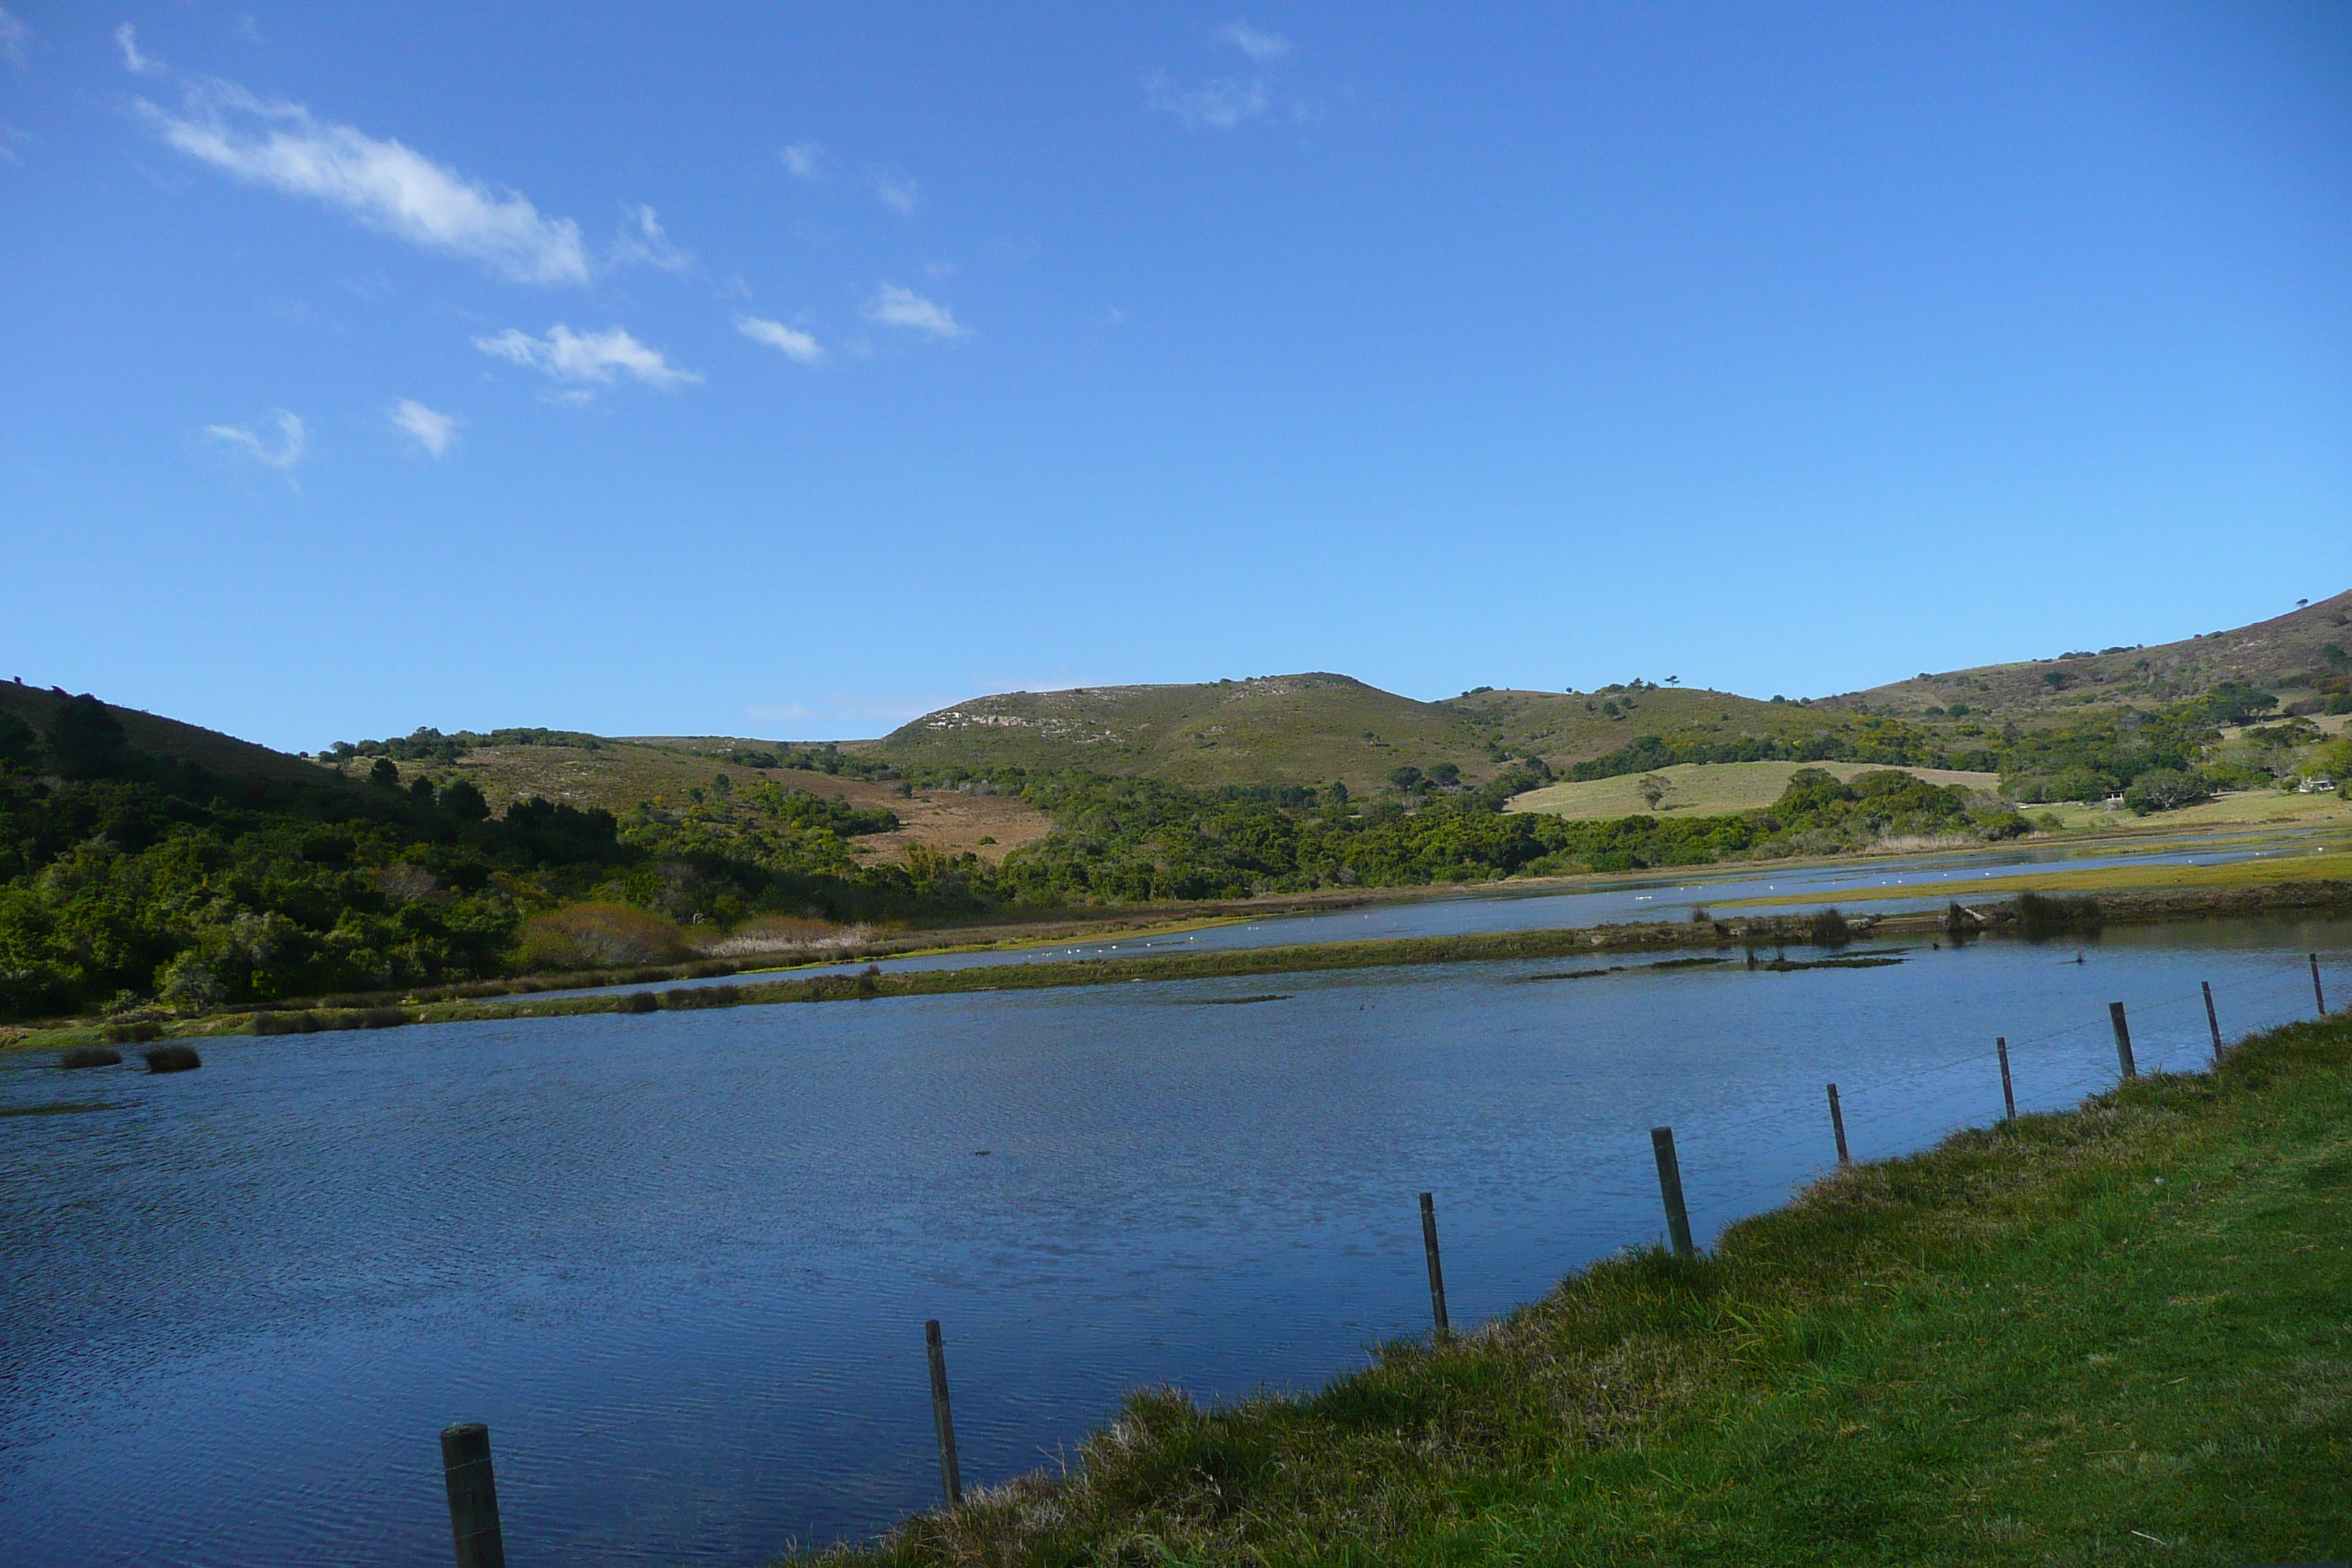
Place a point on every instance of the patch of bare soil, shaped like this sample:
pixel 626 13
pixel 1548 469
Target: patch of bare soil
pixel 989 826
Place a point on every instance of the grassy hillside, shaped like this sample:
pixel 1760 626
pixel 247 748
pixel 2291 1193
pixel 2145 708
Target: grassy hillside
pixel 620 775
pixel 2075 1339
pixel 231 758
pixel 1289 729
pixel 2287 656
pixel 1316 727
pixel 1700 789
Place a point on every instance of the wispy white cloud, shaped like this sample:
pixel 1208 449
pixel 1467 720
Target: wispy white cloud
pixel 644 243
pixel 900 193
pixel 13 34
pixel 434 432
pixel 1229 102
pixel 1260 46
pixel 791 342
pixel 587 357
pixel 293 440
pixel 1219 105
pixel 383 184
pixel 126 38
pixel 895 307
pixel 804 159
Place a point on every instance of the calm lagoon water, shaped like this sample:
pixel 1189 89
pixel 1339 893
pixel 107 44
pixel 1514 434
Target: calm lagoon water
pixel 681 1262
pixel 1859 884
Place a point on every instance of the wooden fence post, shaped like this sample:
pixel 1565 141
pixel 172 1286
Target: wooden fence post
pixel 2123 1039
pixel 2008 1094
pixel 1436 1273
pixel 2317 995
pixel 1670 1187
pixel 473 1496
pixel 951 1475
pixel 1837 1126
pixel 2213 1020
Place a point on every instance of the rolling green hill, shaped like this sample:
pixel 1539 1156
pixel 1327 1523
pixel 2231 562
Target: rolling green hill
pixel 1313 728
pixel 2289 656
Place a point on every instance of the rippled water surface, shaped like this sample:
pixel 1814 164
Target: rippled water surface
pixel 681 1262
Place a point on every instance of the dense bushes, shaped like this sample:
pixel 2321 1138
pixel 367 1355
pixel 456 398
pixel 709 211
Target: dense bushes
pixel 1130 839
pixel 127 879
pixel 596 936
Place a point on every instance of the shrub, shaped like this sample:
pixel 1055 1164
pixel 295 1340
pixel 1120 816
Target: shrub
pixel 133 1032
pixel 638 1002
pixel 89 1057
pixel 2039 915
pixel 285 1022
pixel 586 936
pixel 172 1057
pixel 2165 789
pixel 1829 928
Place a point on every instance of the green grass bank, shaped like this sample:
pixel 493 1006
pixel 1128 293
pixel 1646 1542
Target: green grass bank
pixel 2121 1334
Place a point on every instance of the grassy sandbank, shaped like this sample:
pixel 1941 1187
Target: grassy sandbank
pixel 2113 1335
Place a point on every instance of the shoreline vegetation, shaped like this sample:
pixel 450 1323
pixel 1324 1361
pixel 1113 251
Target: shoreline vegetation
pixel 2113 1334
pixel 2027 916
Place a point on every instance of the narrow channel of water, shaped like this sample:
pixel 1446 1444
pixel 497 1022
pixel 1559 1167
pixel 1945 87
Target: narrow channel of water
pixel 679 1262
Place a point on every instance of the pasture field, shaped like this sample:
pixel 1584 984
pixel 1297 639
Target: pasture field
pixel 2239 808
pixel 1708 789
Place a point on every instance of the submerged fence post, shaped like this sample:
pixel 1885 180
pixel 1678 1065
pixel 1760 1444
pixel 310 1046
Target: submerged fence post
pixel 2213 1021
pixel 2316 994
pixel 1436 1273
pixel 2008 1094
pixel 1670 1187
pixel 473 1496
pixel 1837 1125
pixel 951 1476
pixel 2123 1039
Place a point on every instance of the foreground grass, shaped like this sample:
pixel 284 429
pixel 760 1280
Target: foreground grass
pixel 2120 1334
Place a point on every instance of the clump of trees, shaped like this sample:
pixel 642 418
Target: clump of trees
pixel 2165 789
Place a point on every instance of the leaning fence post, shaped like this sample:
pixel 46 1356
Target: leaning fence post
pixel 1837 1125
pixel 2213 1021
pixel 473 1496
pixel 2316 994
pixel 2123 1038
pixel 2008 1094
pixel 1436 1274
pixel 1670 1186
pixel 951 1476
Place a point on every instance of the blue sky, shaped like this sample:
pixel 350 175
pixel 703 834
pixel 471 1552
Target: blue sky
pixel 790 371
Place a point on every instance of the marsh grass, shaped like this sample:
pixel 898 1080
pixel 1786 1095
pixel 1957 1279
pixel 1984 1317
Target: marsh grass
pixel 89 1057
pixel 2113 1335
pixel 172 1056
